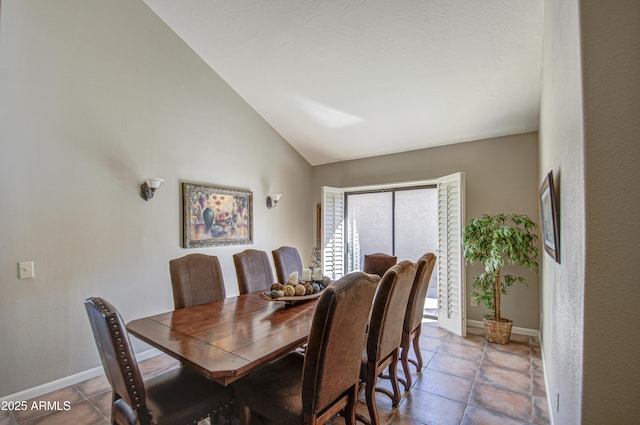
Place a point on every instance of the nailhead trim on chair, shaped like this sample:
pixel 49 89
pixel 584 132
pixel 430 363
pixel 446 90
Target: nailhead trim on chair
pixel 116 331
pixel 124 359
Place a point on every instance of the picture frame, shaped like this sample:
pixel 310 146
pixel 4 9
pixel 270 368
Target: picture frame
pixel 216 216
pixel 549 218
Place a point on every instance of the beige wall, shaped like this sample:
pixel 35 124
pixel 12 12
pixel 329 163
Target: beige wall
pixel 96 96
pixel 589 136
pixel 562 151
pixel 611 79
pixel 501 176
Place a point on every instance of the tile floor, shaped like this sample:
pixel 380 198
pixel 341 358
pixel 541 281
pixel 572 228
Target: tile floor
pixel 466 381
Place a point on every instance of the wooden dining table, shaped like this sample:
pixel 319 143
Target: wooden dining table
pixel 226 339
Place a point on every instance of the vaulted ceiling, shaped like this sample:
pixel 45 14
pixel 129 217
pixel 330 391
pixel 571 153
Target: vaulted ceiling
pixel 346 79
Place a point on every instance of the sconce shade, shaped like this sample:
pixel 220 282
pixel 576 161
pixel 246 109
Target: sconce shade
pixel 273 199
pixel 154 183
pixel 149 187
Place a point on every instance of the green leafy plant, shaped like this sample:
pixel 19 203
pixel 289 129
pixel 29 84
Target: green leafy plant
pixel 496 240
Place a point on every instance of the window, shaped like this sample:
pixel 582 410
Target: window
pixel 369 226
pixel 449 215
pixel 400 222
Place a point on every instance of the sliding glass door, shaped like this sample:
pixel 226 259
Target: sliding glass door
pixel 416 224
pixel 401 222
pixel 369 226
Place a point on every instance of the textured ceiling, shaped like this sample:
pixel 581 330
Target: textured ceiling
pixel 346 79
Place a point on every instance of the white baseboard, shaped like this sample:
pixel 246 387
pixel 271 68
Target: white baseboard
pixel 34 392
pixel 516 330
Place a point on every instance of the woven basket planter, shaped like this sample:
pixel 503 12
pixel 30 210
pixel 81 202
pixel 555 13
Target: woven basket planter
pixel 498 331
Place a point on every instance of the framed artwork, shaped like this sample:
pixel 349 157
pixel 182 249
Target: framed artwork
pixel 216 216
pixel 548 215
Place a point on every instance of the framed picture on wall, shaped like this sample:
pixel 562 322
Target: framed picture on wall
pixel 216 216
pixel 548 215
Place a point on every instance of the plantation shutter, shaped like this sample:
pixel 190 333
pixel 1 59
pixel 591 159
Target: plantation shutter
pixel 451 270
pixel 332 232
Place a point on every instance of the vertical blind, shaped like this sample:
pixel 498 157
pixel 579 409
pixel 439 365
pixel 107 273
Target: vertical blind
pixel 333 245
pixel 451 271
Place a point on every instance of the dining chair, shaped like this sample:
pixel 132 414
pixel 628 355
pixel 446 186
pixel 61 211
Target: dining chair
pixel 123 414
pixel 196 279
pixel 253 271
pixel 286 260
pixel 313 388
pixel 178 396
pixel 385 333
pixel 412 326
pixel 378 263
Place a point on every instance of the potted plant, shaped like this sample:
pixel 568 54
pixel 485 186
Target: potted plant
pixel 496 240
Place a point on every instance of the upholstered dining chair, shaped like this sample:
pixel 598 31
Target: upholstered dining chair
pixel 412 326
pixel 385 333
pixel 311 389
pixel 253 270
pixel 179 396
pixel 196 279
pixel 122 413
pixel 378 263
pixel 286 260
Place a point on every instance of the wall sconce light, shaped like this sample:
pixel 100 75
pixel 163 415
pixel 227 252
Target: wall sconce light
pixel 273 199
pixel 149 187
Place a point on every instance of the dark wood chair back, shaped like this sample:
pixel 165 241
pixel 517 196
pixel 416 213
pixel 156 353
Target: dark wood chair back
pixel 378 263
pixel 196 279
pixel 286 260
pixel 253 271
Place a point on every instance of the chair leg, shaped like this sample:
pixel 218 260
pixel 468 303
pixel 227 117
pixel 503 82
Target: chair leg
pixel 370 392
pixel 393 374
pixel 404 359
pixel 244 414
pixel 350 409
pixel 416 347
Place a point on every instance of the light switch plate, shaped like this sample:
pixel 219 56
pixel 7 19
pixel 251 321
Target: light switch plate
pixel 26 270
